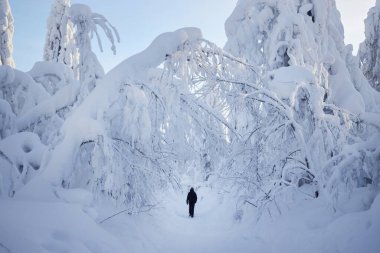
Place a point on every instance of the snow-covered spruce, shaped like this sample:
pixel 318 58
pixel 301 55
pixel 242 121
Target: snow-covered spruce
pixel 302 100
pixel 60 42
pixel 85 23
pixel 6 34
pixel 369 50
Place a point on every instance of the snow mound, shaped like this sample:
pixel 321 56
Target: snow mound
pixel 52 227
pixel 20 157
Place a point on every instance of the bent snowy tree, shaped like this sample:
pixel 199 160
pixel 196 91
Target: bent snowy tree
pixel 85 24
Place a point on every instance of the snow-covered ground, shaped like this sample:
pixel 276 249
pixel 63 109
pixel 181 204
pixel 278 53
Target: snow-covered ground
pixel 309 226
pixel 305 225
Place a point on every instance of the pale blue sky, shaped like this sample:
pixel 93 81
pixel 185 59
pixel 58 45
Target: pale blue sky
pixel 140 21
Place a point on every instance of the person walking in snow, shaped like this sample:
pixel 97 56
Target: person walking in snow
pixel 191 200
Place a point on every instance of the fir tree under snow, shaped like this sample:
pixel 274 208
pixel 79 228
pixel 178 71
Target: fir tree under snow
pixel 85 23
pixel 6 34
pixel 369 51
pixel 311 95
pixel 278 132
pixel 60 44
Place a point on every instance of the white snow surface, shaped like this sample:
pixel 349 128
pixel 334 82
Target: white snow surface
pixel 304 225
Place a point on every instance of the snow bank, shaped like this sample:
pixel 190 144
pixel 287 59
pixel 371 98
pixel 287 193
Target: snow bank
pixel 357 231
pixel 38 227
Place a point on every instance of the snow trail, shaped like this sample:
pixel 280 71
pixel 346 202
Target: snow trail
pixel 215 227
pixel 170 229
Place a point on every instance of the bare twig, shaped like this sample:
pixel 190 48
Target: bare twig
pixel 246 201
pixel 2 246
pixel 129 211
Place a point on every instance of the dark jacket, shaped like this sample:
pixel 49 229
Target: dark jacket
pixel 191 197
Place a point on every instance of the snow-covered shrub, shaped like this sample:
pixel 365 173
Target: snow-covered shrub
pixel 6 34
pixel 20 159
pixel 40 99
pixel 20 90
pixel 53 76
pixel 369 50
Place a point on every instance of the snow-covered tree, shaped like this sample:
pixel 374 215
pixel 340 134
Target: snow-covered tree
pixel 369 50
pixel 60 44
pixel 6 34
pixel 86 24
pixel 307 84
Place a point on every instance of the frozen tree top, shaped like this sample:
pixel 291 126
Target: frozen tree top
pixel 6 34
pixel 80 10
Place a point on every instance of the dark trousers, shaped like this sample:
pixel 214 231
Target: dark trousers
pixel 191 209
